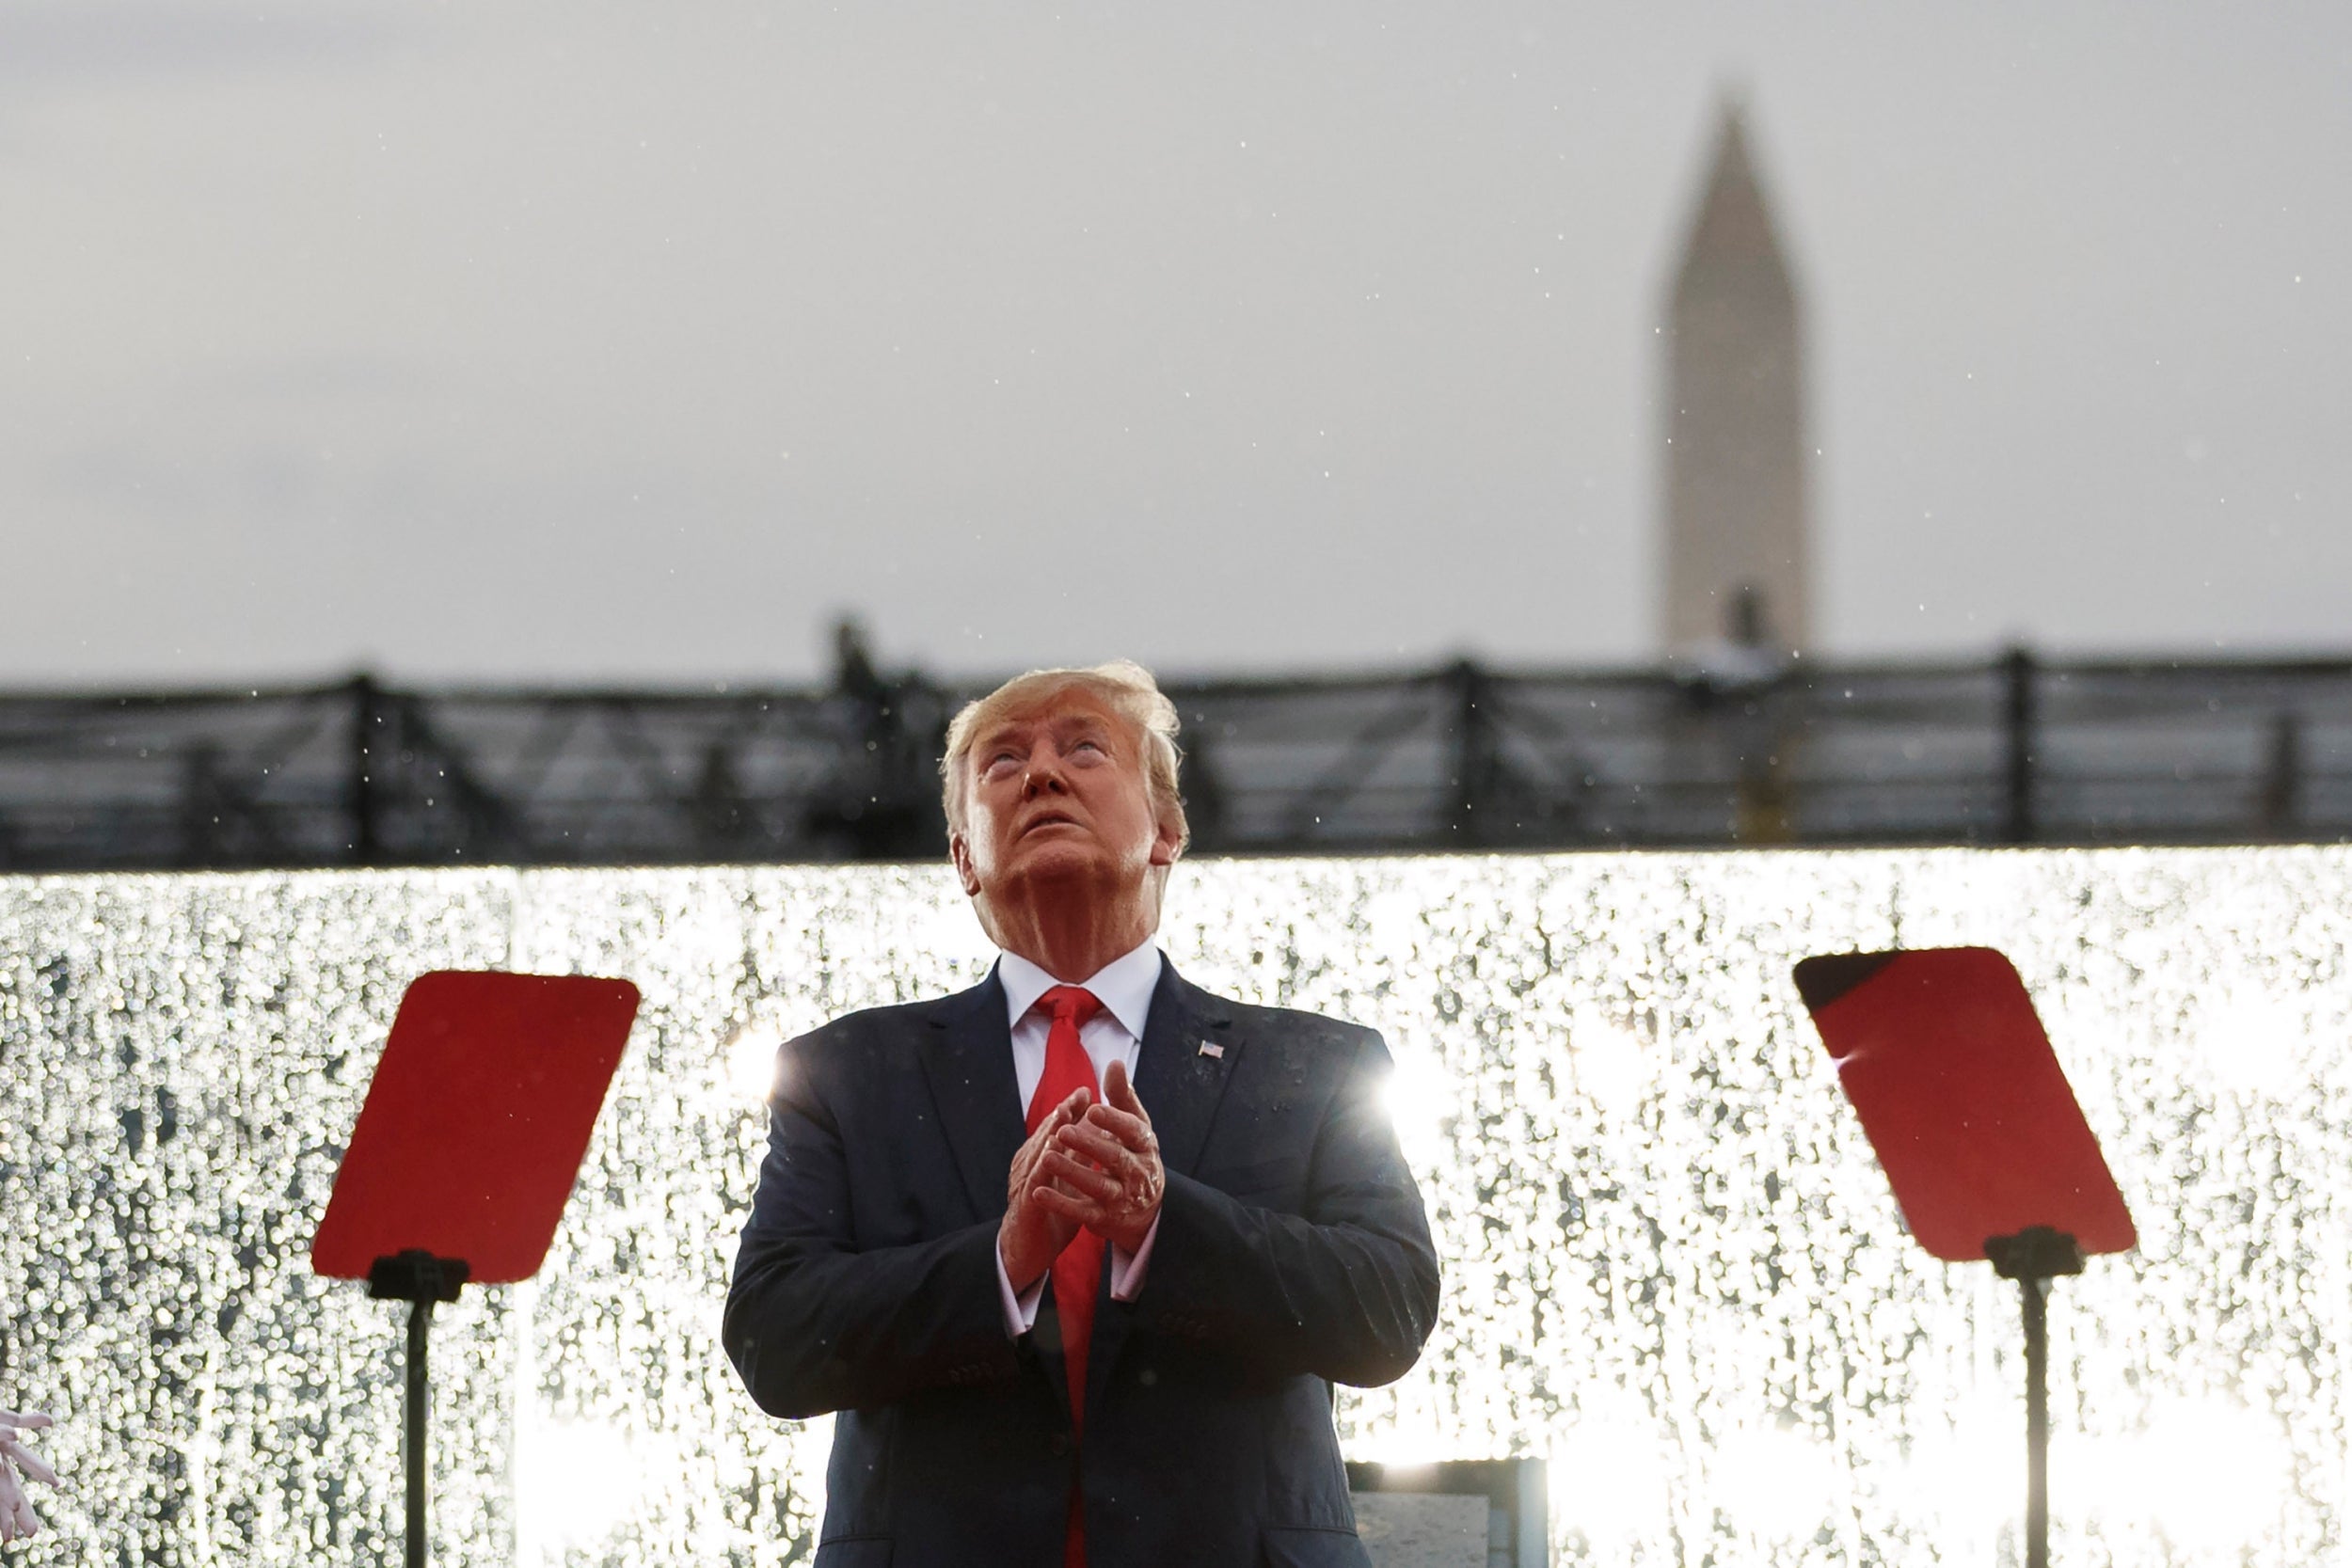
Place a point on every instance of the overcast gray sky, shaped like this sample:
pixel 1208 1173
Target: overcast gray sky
pixel 631 341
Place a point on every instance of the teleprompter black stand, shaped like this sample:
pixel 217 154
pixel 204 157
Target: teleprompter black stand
pixel 419 1279
pixel 1944 1060
pixel 2033 1257
pixel 464 1153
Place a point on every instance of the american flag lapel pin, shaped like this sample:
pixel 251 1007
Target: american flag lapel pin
pixel 1213 1051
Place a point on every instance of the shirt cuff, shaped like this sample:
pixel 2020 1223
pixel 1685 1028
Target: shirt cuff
pixel 1021 1306
pixel 1126 1267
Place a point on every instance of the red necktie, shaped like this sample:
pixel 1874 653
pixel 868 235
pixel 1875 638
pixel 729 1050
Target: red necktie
pixel 1077 1272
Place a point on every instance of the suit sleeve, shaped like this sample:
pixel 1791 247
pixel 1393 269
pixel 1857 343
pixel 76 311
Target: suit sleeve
pixel 1346 1290
pixel 813 1325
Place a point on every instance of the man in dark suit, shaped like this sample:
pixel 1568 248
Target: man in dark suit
pixel 1077 1254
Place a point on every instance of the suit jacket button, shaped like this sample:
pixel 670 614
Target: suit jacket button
pixel 1059 1445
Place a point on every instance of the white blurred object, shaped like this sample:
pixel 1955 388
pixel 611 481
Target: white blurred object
pixel 17 1518
pixel 1406 1448
pixel 1727 665
pixel 1609 1480
pixel 812 1449
pixel 752 1058
pixel 1775 1480
pixel 1418 1098
pixel 1609 1063
pixel 1963 1476
pixel 2207 1474
pixel 575 1481
pixel 2253 1042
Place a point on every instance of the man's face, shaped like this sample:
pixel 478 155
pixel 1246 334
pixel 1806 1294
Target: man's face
pixel 1057 796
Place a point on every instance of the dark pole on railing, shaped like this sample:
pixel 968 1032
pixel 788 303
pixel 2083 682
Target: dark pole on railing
pixel 2282 806
pixel 1476 756
pixel 201 836
pixel 367 717
pixel 2018 824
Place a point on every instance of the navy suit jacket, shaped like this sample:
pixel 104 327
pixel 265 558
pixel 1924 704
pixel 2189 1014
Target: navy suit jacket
pixel 1292 1254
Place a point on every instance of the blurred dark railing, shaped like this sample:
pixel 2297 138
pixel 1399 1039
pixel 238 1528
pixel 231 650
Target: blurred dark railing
pixel 1461 757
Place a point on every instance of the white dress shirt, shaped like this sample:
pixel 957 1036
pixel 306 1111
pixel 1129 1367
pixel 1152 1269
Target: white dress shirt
pixel 1114 1034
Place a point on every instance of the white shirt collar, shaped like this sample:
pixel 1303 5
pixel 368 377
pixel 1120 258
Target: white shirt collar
pixel 1124 986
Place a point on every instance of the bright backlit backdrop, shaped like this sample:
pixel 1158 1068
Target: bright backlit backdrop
pixel 1670 1265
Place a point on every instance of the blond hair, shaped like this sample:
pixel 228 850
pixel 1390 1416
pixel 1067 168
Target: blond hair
pixel 1123 685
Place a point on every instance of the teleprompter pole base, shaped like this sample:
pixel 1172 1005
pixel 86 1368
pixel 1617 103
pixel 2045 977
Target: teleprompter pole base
pixel 419 1279
pixel 2033 1257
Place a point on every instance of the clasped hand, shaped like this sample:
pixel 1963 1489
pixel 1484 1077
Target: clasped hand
pixel 1096 1165
pixel 17 1518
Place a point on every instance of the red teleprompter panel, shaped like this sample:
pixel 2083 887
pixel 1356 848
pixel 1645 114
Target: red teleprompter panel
pixel 474 1126
pixel 1946 1061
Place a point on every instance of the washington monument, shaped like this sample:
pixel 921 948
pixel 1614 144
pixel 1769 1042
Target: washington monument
pixel 1735 483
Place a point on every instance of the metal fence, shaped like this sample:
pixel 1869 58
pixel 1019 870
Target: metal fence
pixel 1465 756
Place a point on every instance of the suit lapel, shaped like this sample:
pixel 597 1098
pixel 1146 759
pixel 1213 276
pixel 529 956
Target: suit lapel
pixel 967 1057
pixel 1188 1056
pixel 967 1060
pixel 1181 1085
